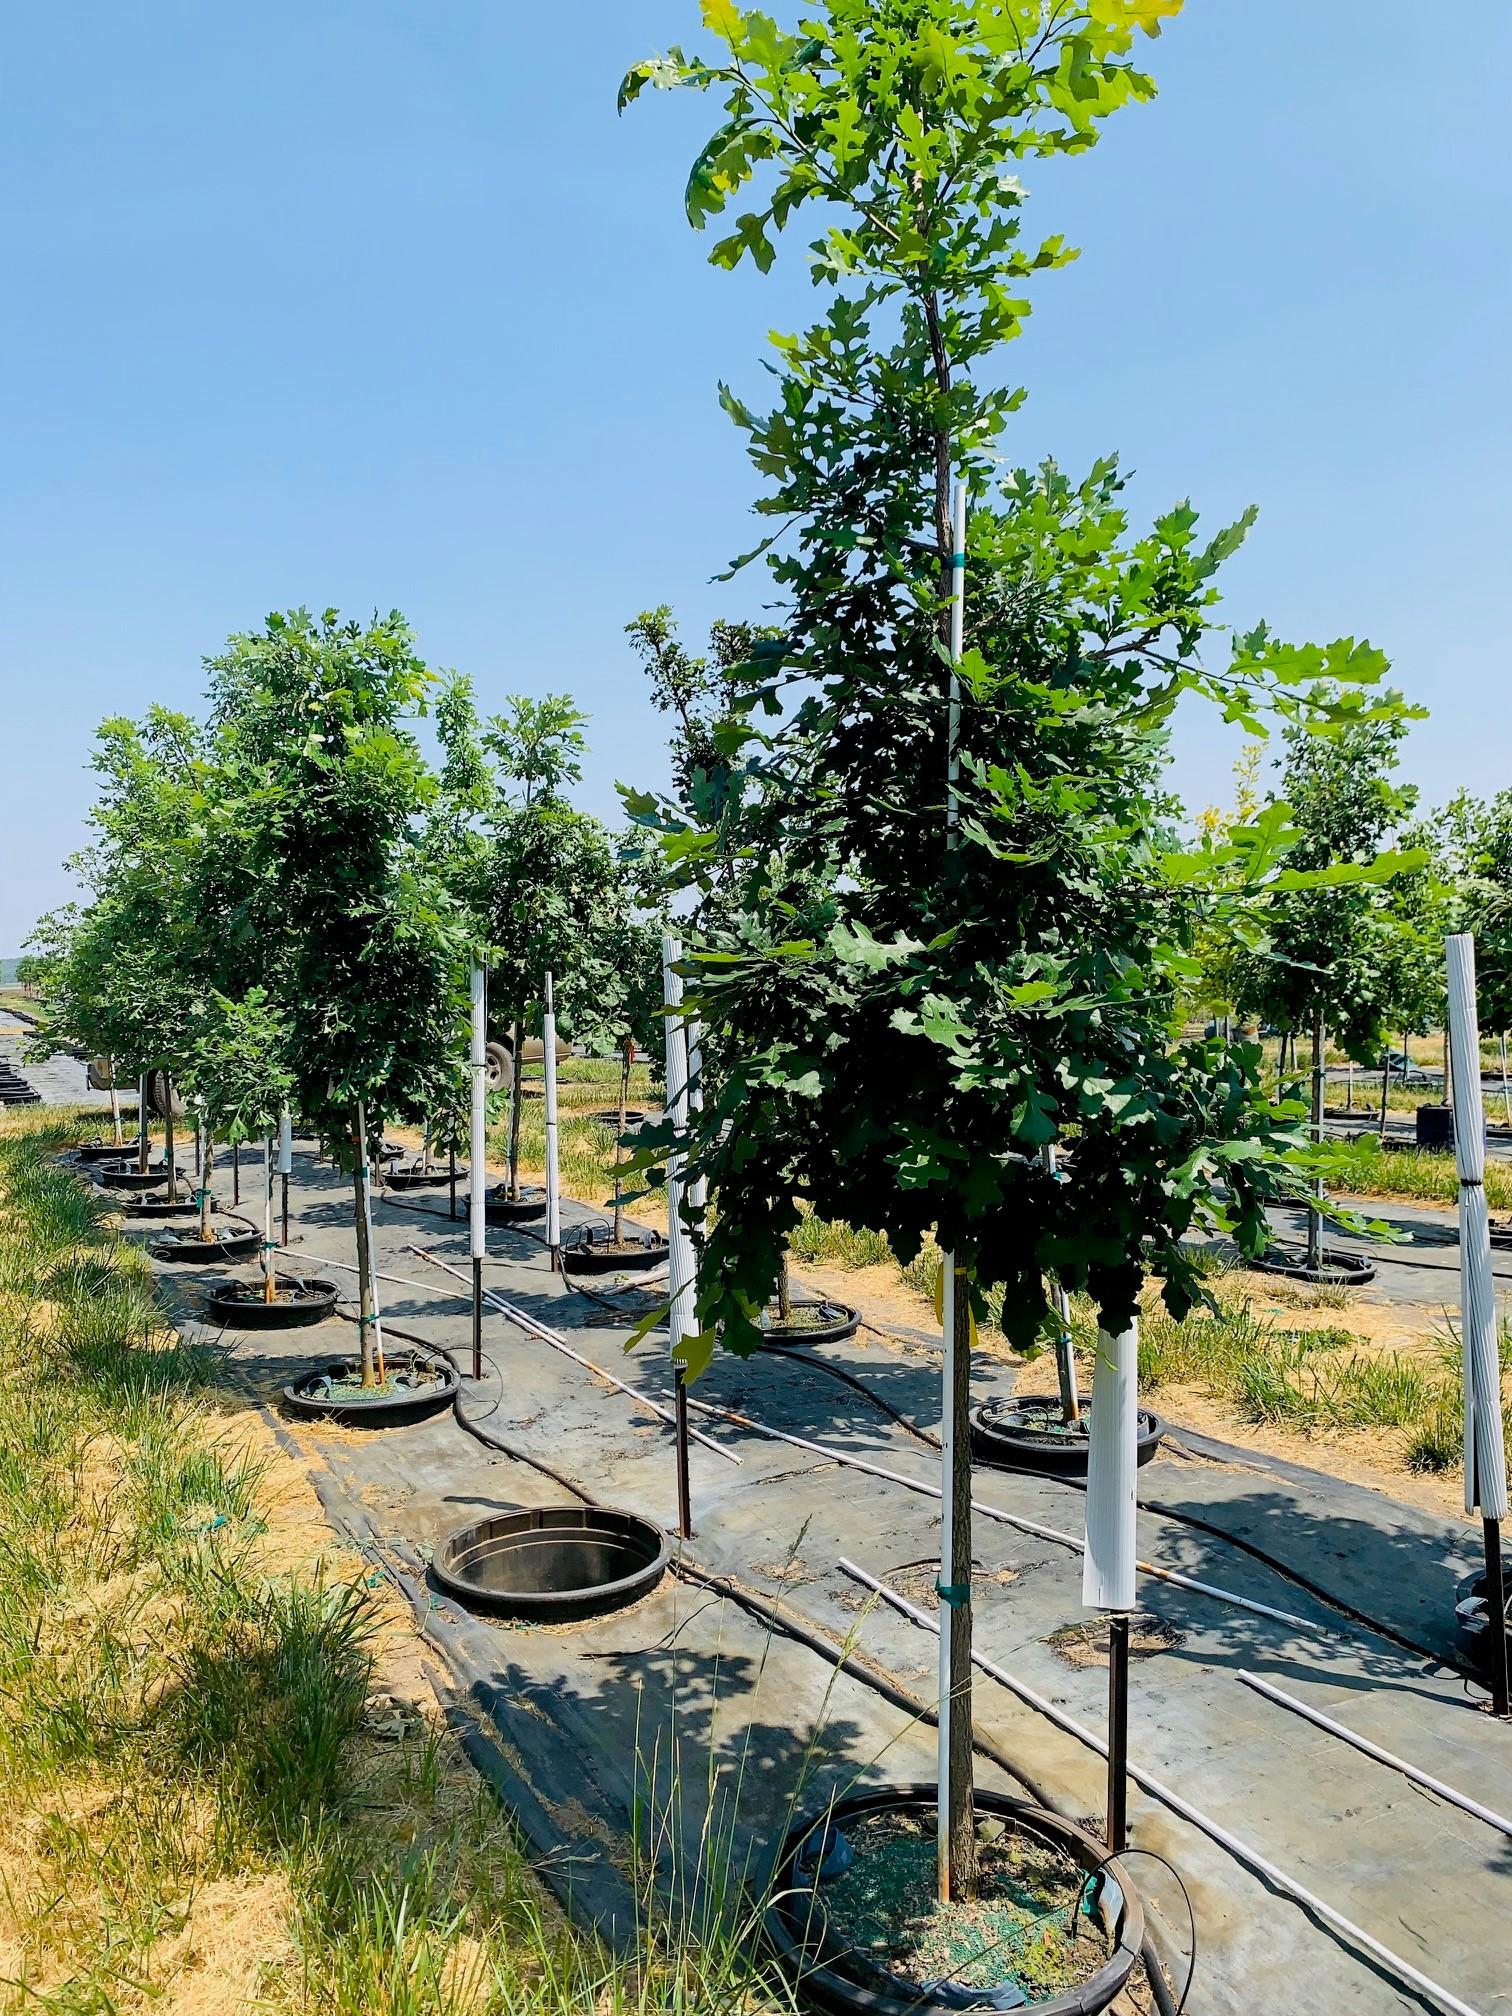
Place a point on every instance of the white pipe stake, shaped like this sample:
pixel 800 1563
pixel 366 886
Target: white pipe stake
pixel 1112 1468
pixel 1485 1448
pixel 1251 1858
pixel 698 1190
pixel 533 1327
pixel 1436 1785
pixel 478 1058
pixel 553 1180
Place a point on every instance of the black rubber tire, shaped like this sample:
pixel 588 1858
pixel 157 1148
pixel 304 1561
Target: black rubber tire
pixel 588 1258
pixel 524 1210
pixel 792 1337
pixel 396 1411
pixel 546 1538
pixel 1339 1269
pixel 157 1097
pixel 796 1925
pixel 1472 1634
pixel 995 1442
pixel 227 1246
pixel 235 1312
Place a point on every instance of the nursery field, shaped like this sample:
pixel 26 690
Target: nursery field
pixel 1359 1384
pixel 298 1823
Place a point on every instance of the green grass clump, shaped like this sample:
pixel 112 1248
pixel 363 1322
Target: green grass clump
pixel 182 1722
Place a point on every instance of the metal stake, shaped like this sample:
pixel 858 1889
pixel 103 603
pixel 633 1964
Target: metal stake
pixel 1496 1606
pixel 1118 1731
pixel 684 1487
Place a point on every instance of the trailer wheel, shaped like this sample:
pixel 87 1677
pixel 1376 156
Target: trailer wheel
pixel 496 1066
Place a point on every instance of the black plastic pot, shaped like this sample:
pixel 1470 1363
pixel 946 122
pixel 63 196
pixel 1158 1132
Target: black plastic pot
pixel 1435 1127
pixel 126 1176
pixel 306 1398
pixel 158 1207
pixel 1472 1624
pixel 1339 1269
pixel 555 1564
pixel 415 1179
pixel 195 1251
pixel 1016 1434
pixel 846 1983
pixel 839 1322
pixel 609 1117
pixel 499 1208
pixel 589 1254
pixel 239 1304
pixel 102 1151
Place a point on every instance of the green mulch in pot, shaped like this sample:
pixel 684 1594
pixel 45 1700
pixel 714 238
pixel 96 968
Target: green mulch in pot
pixel 1028 1922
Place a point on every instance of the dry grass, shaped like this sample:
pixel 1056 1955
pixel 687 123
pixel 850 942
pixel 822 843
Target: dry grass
pixel 224 1782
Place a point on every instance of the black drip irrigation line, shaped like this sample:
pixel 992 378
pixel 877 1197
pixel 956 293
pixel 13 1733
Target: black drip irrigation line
pixel 1299 1577
pixel 777 1616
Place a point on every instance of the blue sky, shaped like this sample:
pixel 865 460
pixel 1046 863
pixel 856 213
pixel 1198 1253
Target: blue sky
pixel 379 303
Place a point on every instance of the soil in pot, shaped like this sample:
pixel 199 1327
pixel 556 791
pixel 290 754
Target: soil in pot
pixel 399 1178
pixel 1031 1433
pixel 299 1303
pixel 809 1323
pixel 499 1208
pixel 604 1254
pixel 224 1246
pixel 1029 1924
pixel 415 1385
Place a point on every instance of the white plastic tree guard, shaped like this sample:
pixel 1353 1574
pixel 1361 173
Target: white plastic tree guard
pixel 1485 1450
pixel 1112 1468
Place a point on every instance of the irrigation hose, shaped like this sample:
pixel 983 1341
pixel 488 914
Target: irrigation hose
pixel 845 1659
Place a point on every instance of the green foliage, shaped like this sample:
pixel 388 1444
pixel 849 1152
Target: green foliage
pixel 907 1018
pixel 1363 954
pixel 367 946
pixel 237 1070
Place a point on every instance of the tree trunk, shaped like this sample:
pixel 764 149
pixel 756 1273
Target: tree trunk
pixel 1065 1360
pixel 270 1279
pixel 1506 1090
pixel 115 1103
pixel 168 1138
pixel 958 1872
pixel 1448 1073
pixel 785 1290
pixel 1385 1089
pixel 366 1316
pixel 144 1129
pixel 516 1080
pixel 1315 1218
pixel 207 1161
